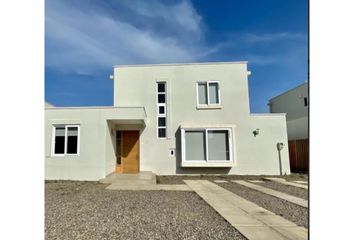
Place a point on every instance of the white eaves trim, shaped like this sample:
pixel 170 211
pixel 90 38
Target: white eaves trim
pixel 178 64
pixel 93 107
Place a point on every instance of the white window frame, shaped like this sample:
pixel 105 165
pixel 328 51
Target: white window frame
pixel 66 126
pixel 208 98
pixel 158 110
pixel 215 163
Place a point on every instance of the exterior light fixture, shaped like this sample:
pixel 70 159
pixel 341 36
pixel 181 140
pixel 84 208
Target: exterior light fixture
pixel 256 132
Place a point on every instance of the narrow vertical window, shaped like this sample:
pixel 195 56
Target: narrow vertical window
pixel 305 101
pixel 161 110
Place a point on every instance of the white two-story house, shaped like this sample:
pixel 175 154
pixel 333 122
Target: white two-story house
pixel 169 119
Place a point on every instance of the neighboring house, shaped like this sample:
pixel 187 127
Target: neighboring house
pixel 169 119
pixel 294 103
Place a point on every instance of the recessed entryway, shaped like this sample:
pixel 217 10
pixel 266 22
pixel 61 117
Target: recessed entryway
pixel 127 152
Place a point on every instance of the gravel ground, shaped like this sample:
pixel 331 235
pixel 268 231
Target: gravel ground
pixel 85 210
pixel 290 211
pixel 294 191
pixel 179 179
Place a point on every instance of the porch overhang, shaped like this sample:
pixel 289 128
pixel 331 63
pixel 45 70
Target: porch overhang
pixel 126 115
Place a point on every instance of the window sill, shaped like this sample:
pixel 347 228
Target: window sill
pixel 204 107
pixel 207 164
pixel 65 155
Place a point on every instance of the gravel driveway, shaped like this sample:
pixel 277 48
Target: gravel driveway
pixel 85 210
pixel 290 211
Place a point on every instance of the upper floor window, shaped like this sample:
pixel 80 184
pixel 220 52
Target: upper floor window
pixel 305 101
pixel 208 93
pixel 65 140
pixel 161 110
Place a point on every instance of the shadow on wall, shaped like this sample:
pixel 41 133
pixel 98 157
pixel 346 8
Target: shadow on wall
pixel 193 170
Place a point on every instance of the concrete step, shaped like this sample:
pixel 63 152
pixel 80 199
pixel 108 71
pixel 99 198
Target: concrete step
pixel 124 178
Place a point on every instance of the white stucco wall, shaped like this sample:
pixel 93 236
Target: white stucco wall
pixel 90 164
pixel 97 141
pixel 259 154
pixel 254 155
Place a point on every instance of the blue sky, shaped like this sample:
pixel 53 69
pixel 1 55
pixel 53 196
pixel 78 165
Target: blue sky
pixel 85 38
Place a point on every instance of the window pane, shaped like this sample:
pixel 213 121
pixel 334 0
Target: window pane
pixel 195 145
pixel 72 131
pixel 59 145
pixel 60 131
pixel 160 87
pixel 202 93
pixel 218 145
pixel 161 109
pixel 213 93
pixel 59 140
pixel 162 132
pixel 162 121
pixel 72 145
pixel 161 98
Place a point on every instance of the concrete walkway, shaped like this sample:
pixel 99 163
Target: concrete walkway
pixel 140 182
pixel 249 219
pixel 302 182
pixel 298 201
pixel 283 181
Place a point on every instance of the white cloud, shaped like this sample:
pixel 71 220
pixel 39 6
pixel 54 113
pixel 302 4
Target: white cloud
pixel 83 41
pixel 271 37
pixel 181 15
pixel 84 38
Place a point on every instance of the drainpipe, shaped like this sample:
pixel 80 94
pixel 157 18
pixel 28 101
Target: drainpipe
pixel 280 146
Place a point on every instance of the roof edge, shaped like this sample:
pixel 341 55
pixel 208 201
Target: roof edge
pixel 177 64
pixel 92 107
pixel 289 90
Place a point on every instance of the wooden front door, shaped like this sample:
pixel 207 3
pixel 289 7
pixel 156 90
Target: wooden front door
pixel 130 151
